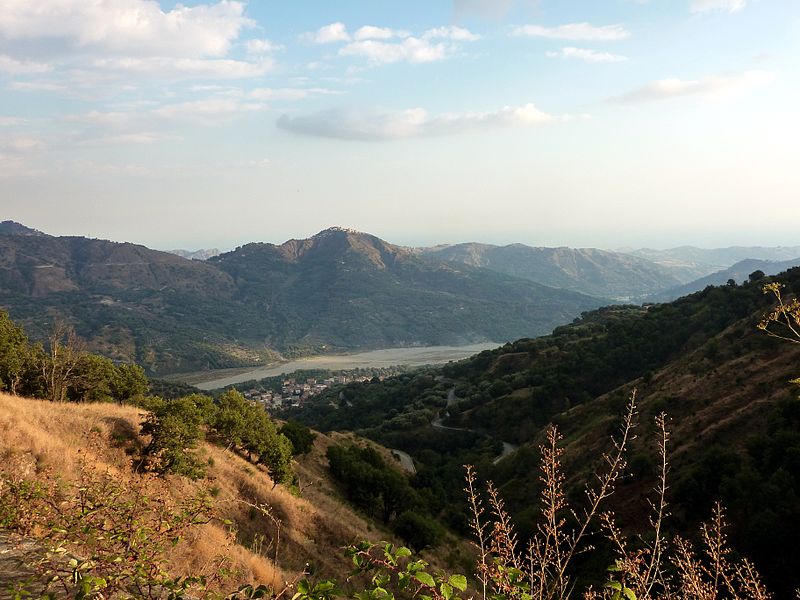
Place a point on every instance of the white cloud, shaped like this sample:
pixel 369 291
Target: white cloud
pixel 100 118
pixel 166 68
pixel 415 122
pixel 10 121
pixel 414 50
pixel 713 85
pixel 383 45
pixel 129 27
pixel 587 55
pixel 731 6
pixel 290 93
pixel 370 32
pixel 574 32
pixel 335 32
pixel 457 34
pixel 23 143
pixel 261 46
pixel 209 110
pixel 36 86
pixel 130 138
pixel 92 167
pixel 21 67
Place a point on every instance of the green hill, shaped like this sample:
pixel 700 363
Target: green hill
pixel 701 359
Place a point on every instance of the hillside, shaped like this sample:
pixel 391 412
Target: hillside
pixel 72 444
pixel 723 383
pixel 344 289
pixel 738 273
pixel 693 263
pixel 338 290
pixel 590 271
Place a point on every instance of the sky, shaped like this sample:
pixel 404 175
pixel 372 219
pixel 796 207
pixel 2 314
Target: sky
pixel 605 123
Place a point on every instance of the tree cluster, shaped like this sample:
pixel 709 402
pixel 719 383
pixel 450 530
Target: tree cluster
pixel 176 427
pixel 62 370
pixel 381 491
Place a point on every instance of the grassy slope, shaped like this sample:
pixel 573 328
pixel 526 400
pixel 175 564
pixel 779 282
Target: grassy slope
pixel 40 439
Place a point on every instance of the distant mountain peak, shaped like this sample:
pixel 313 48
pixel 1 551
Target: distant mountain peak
pixel 337 229
pixel 202 254
pixel 14 228
pixel 337 240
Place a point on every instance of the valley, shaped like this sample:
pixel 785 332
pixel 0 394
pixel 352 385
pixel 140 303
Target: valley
pixel 458 300
pixel 345 301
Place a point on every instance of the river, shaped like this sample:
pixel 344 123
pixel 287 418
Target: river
pixel 388 357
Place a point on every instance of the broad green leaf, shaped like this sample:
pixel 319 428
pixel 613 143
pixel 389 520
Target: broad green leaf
pixel 459 582
pixel 629 593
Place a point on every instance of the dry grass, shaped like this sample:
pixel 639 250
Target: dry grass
pixel 38 438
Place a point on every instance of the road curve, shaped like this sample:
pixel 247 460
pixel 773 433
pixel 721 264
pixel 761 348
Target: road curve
pixel 508 448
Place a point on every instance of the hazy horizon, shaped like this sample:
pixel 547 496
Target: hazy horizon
pixel 408 240
pixel 632 123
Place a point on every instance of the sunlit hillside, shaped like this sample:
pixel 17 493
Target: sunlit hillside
pixel 43 441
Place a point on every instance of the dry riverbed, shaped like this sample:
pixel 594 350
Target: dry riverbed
pixel 388 357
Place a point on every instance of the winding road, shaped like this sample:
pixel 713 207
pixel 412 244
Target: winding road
pixel 437 423
pixel 408 463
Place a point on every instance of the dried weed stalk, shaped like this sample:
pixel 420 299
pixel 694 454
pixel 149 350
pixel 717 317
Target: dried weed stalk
pixel 647 568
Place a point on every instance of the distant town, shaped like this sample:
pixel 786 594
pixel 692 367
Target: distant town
pixel 280 393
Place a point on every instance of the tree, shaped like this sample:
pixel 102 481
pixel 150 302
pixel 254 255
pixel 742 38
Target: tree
pixel 93 379
pixel 302 437
pixel 59 364
pixel 175 429
pixel 230 421
pixel 129 383
pixel 15 354
pixel 417 530
pixel 278 459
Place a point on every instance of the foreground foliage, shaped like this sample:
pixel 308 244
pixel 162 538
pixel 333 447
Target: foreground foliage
pixel 99 540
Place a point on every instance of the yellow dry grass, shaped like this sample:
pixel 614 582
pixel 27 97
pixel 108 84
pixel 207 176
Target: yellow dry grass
pixel 39 438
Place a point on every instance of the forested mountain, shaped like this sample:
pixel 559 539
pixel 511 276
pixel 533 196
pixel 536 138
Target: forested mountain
pixel 345 289
pixel 587 270
pixel 701 359
pixel 338 290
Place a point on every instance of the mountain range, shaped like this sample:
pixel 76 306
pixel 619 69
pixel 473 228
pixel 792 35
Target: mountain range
pixel 737 273
pixel 590 271
pixel 336 291
pixel 690 262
